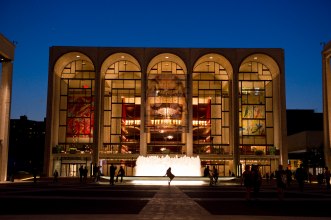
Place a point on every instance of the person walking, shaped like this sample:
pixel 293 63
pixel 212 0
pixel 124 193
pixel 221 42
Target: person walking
pixel 112 171
pixel 246 180
pixel 81 173
pixel 170 175
pixel 85 171
pixel 98 174
pixel 95 172
pixel 215 174
pixel 300 176
pixel 256 180
pixel 55 176
pixel 280 181
pixel 121 174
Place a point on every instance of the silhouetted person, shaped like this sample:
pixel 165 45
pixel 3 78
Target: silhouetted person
pixel 256 179
pixel 170 175
pixel 112 171
pixel 215 174
pixel 120 173
pixel 98 174
pixel 281 181
pixel 246 180
pixel 95 172
pixel 206 171
pixel 85 171
pixel 300 177
pixel 81 173
pixel 55 176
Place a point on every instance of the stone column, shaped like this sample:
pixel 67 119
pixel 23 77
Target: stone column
pixel 143 108
pixel 98 115
pixel 234 124
pixel 189 112
pixel 5 102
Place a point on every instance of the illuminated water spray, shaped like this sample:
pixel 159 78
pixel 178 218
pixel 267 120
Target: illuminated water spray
pixel 158 165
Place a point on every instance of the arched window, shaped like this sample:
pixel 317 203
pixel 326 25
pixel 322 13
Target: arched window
pixel 256 104
pixel 76 108
pixel 211 124
pixel 166 109
pixel 122 101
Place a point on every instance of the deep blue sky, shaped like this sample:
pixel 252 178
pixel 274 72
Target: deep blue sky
pixel 297 26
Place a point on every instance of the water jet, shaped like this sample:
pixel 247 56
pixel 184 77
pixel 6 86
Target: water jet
pixel 158 165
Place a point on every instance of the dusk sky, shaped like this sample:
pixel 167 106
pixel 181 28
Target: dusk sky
pixel 300 27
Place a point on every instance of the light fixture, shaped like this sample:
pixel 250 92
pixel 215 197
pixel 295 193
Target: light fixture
pixel 170 137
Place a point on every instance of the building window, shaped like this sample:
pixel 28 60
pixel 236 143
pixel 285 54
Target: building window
pixel 210 109
pixel 255 109
pixel 166 110
pixel 77 106
pixel 122 101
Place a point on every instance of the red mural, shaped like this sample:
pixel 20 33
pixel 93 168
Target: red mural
pixel 80 118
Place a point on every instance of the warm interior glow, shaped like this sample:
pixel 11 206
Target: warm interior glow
pixel 158 165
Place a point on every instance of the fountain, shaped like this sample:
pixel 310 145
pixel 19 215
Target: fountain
pixel 158 165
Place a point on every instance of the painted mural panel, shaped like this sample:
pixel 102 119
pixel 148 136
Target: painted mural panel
pixel 253 127
pixel 80 115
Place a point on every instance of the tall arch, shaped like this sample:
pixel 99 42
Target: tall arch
pixel 73 109
pixel 211 105
pixel 166 105
pixel 121 97
pixel 260 125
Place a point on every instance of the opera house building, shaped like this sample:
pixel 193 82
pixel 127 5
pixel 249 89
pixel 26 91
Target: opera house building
pixel 114 105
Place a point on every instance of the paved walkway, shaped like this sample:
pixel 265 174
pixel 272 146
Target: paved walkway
pixel 169 203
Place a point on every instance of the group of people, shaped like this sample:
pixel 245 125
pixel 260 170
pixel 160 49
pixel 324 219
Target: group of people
pixel 112 172
pixel 252 180
pixel 83 174
pixel 212 174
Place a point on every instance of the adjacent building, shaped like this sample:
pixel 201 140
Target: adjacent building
pixel 112 104
pixel 7 49
pixel 26 146
pixel 305 139
pixel 326 81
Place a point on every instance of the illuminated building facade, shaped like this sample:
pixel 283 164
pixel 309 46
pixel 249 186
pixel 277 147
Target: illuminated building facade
pixel 111 104
pixel 7 50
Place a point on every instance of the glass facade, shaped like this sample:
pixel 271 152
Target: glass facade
pixel 76 109
pixel 134 102
pixel 255 109
pixel 166 109
pixel 121 112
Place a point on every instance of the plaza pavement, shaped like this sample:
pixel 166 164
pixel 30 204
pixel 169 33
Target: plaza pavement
pixel 152 198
